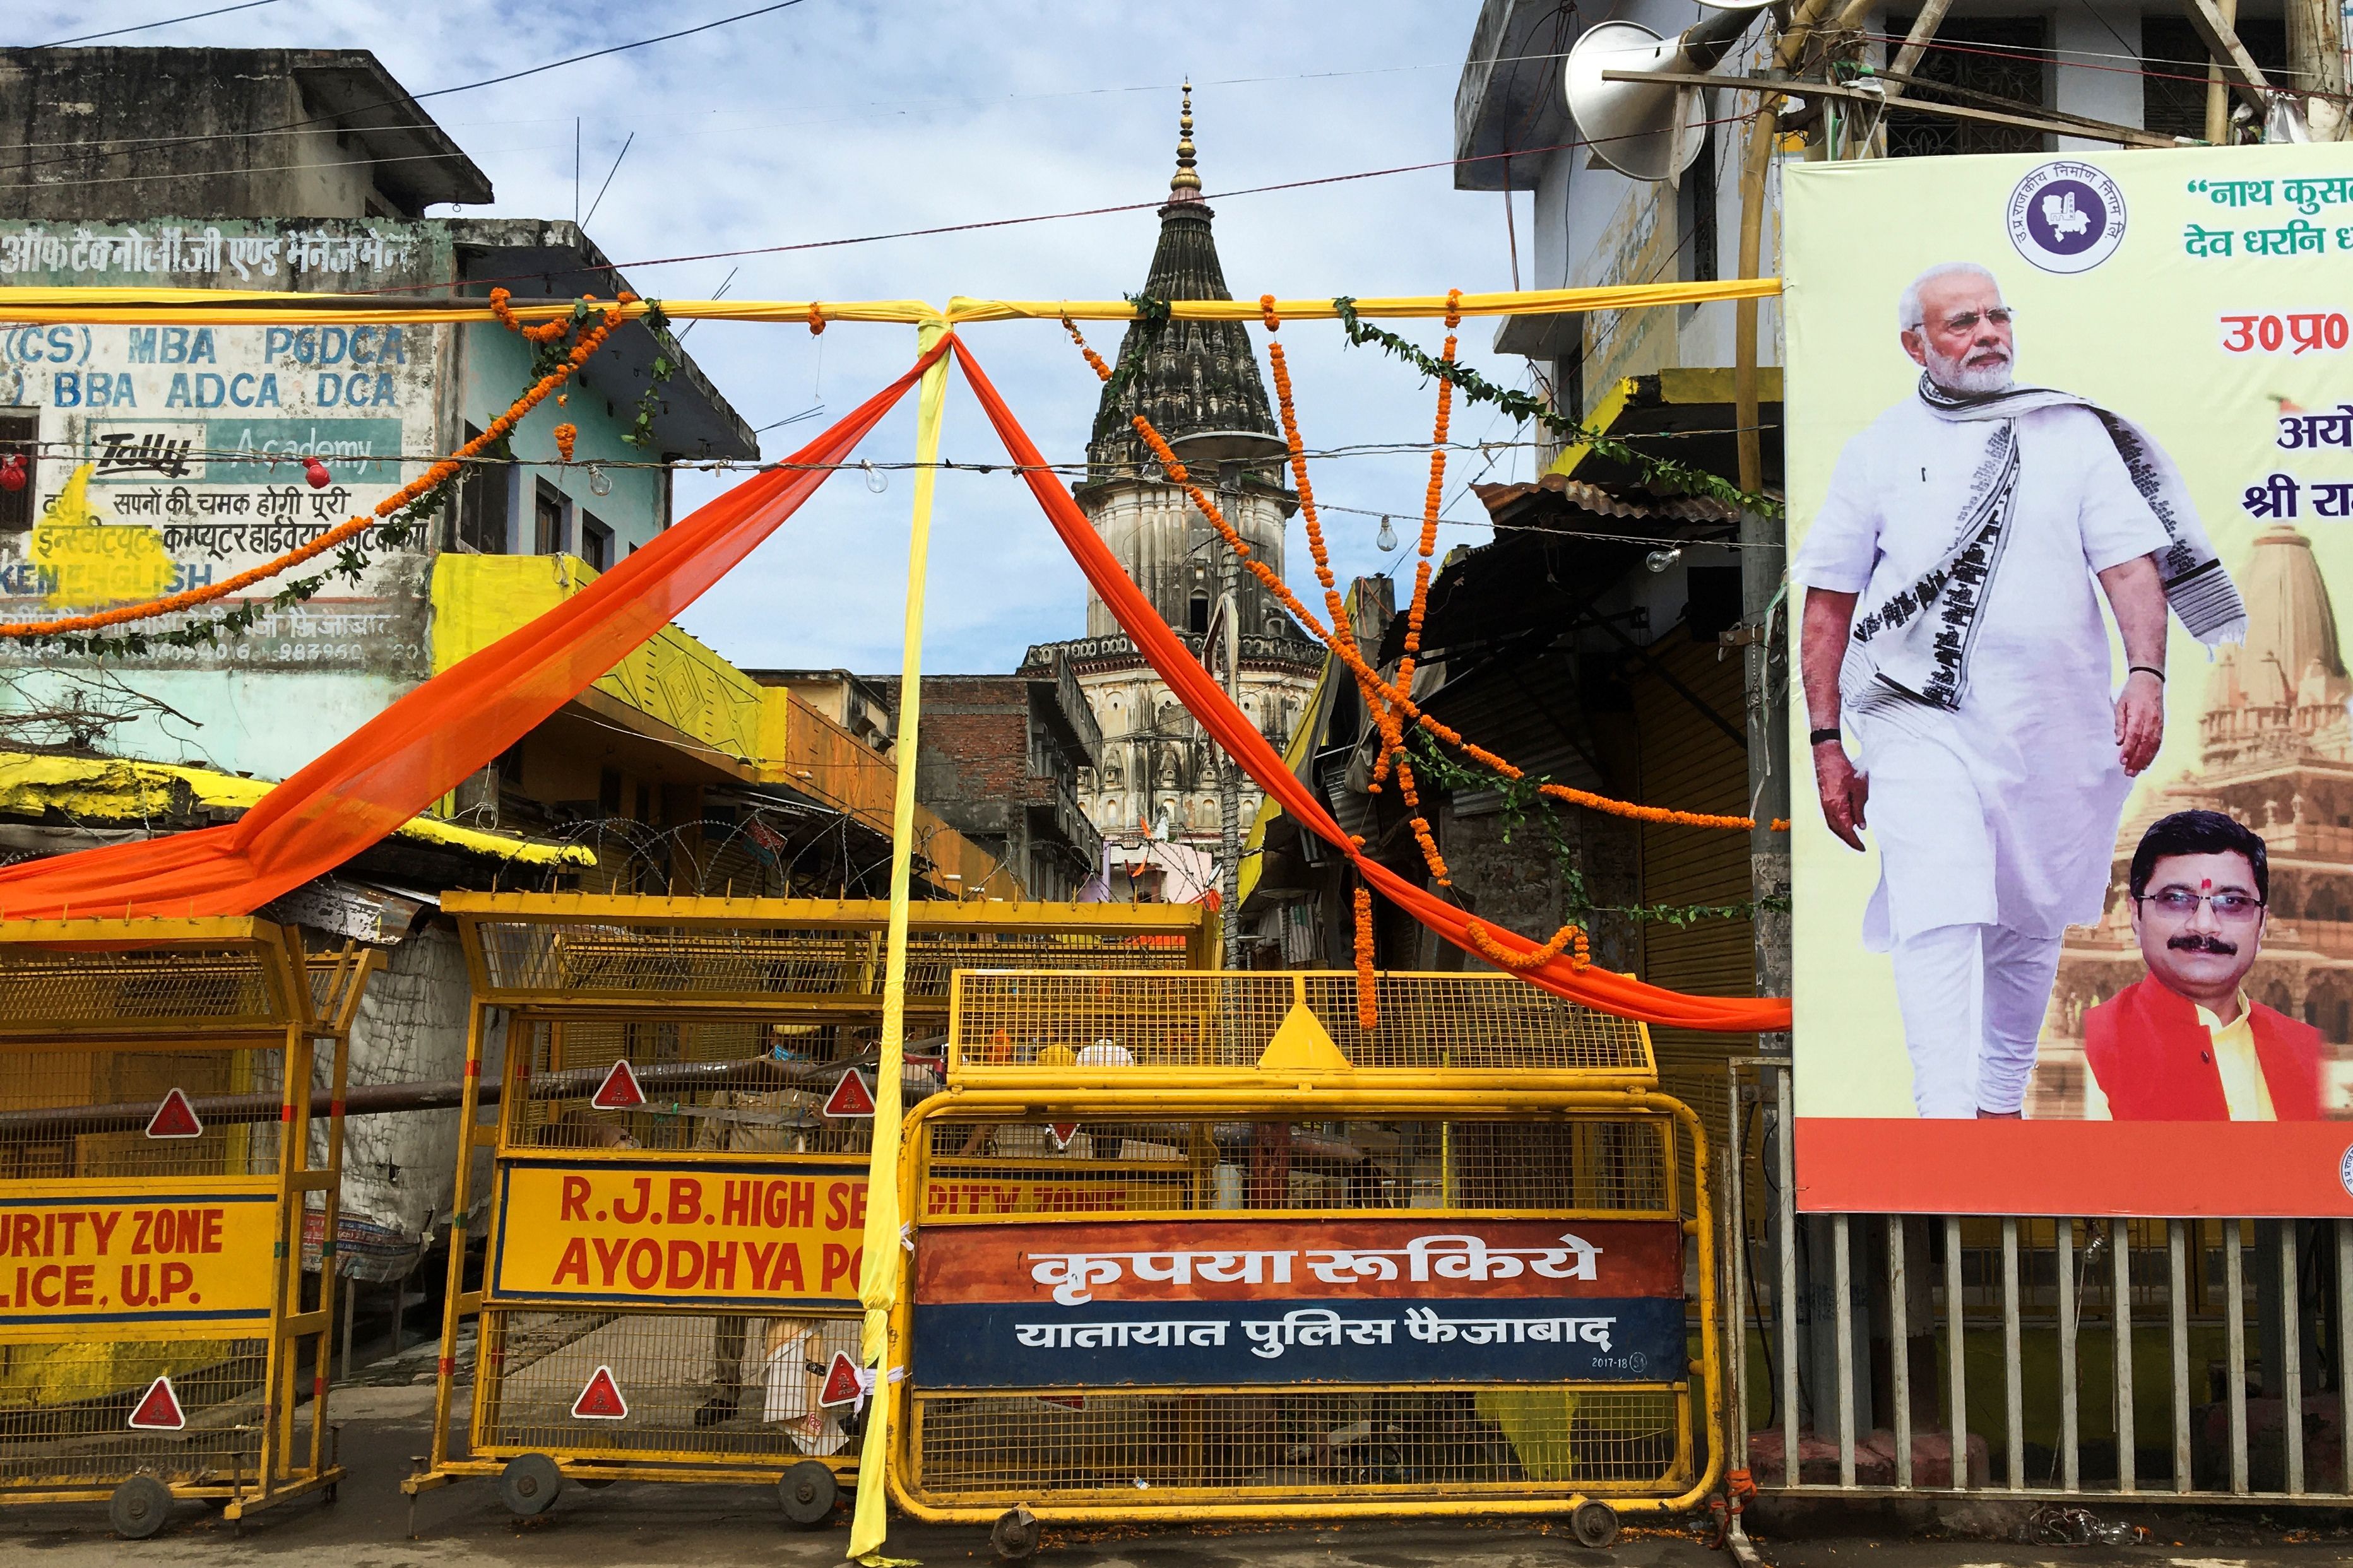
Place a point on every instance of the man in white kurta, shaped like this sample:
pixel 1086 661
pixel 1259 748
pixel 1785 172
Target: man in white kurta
pixel 1995 752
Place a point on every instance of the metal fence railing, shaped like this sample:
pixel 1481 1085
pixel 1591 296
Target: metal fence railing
pixel 2075 1359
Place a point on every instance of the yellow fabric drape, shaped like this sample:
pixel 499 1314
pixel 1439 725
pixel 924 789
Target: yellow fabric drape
pixel 879 1273
pixel 78 305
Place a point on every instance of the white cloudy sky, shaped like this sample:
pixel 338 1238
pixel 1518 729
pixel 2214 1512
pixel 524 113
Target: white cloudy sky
pixel 834 118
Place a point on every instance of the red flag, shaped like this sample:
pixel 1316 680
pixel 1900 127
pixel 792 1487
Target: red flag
pixel 620 1090
pixel 159 1409
pixel 175 1118
pixel 601 1400
pixel 851 1097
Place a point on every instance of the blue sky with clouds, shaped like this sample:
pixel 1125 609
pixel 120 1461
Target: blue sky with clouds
pixel 832 119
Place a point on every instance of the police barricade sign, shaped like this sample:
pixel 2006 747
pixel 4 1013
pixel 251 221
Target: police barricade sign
pixel 173 1096
pixel 672 1233
pixel 1222 1303
pixel 83 1255
pixel 1349 1297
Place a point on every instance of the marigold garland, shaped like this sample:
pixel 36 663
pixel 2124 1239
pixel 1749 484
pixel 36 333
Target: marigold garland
pixel 1567 937
pixel 1395 704
pixel 1314 523
pixel 545 333
pixel 434 477
pixel 566 435
pixel 815 320
pixel 1368 1012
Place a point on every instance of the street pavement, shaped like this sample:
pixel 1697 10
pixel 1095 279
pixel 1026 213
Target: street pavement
pixel 642 1525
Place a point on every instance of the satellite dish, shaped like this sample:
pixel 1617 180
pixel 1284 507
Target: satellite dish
pixel 1648 131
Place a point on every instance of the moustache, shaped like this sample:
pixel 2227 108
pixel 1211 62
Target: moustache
pixel 2193 942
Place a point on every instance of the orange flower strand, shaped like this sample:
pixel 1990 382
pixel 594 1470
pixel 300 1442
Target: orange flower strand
pixel 188 598
pixel 1432 501
pixel 1567 938
pixel 566 435
pixel 1332 599
pixel 1652 813
pixel 545 333
pixel 815 320
pixel 1094 360
pixel 1369 1013
pixel 1421 833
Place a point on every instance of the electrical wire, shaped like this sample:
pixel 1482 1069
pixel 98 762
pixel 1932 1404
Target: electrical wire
pixel 878 106
pixel 71 450
pixel 411 99
pixel 2081 62
pixel 150 26
pixel 1151 206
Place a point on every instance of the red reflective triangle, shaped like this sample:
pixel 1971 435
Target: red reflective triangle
pixel 175 1118
pixel 620 1090
pixel 1061 1133
pixel 851 1097
pixel 159 1408
pixel 601 1400
pixel 841 1385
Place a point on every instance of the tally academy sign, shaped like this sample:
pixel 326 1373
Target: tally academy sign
pixel 1221 1302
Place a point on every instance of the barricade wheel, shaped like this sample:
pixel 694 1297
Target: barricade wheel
pixel 1015 1534
pixel 139 1508
pixel 528 1484
pixel 808 1492
pixel 1595 1524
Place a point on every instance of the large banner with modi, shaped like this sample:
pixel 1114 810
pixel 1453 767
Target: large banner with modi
pixel 2069 460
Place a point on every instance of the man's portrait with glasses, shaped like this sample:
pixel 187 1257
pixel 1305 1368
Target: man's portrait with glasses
pixel 2187 1043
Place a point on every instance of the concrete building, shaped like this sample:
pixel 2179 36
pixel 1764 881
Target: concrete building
pixel 315 171
pixel 1158 771
pixel 999 761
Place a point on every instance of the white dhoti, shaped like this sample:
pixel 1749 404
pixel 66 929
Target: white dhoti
pixel 1994 812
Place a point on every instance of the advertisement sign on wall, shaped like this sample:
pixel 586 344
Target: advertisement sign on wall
pixel 2069 460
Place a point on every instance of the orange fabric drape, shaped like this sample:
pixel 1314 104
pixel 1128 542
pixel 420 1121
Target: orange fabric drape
pixel 420 747
pixel 1207 702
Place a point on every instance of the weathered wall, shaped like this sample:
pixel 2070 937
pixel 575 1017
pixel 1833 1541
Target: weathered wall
pixel 236 132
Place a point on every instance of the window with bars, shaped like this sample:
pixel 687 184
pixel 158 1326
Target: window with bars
pixel 1989 62
pixel 547 519
pixel 2173 93
pixel 482 505
pixel 595 540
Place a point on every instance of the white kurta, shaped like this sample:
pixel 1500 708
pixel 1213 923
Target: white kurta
pixel 2004 812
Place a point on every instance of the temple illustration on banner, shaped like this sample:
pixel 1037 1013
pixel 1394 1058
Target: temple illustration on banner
pixel 2275 752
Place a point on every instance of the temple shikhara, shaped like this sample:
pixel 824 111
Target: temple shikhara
pixel 2276 750
pixel 1200 387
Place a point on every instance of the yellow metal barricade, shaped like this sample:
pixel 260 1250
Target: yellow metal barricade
pixel 673 1219
pixel 1182 1256
pixel 171 1103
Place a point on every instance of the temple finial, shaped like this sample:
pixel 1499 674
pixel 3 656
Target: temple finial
pixel 1184 181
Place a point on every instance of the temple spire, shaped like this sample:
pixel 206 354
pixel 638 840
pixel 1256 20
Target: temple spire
pixel 1185 184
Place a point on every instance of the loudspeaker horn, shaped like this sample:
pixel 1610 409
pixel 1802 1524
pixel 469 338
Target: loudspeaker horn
pixel 1645 130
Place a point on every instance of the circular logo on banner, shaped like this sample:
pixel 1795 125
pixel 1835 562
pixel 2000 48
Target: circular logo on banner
pixel 2344 1171
pixel 2067 217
